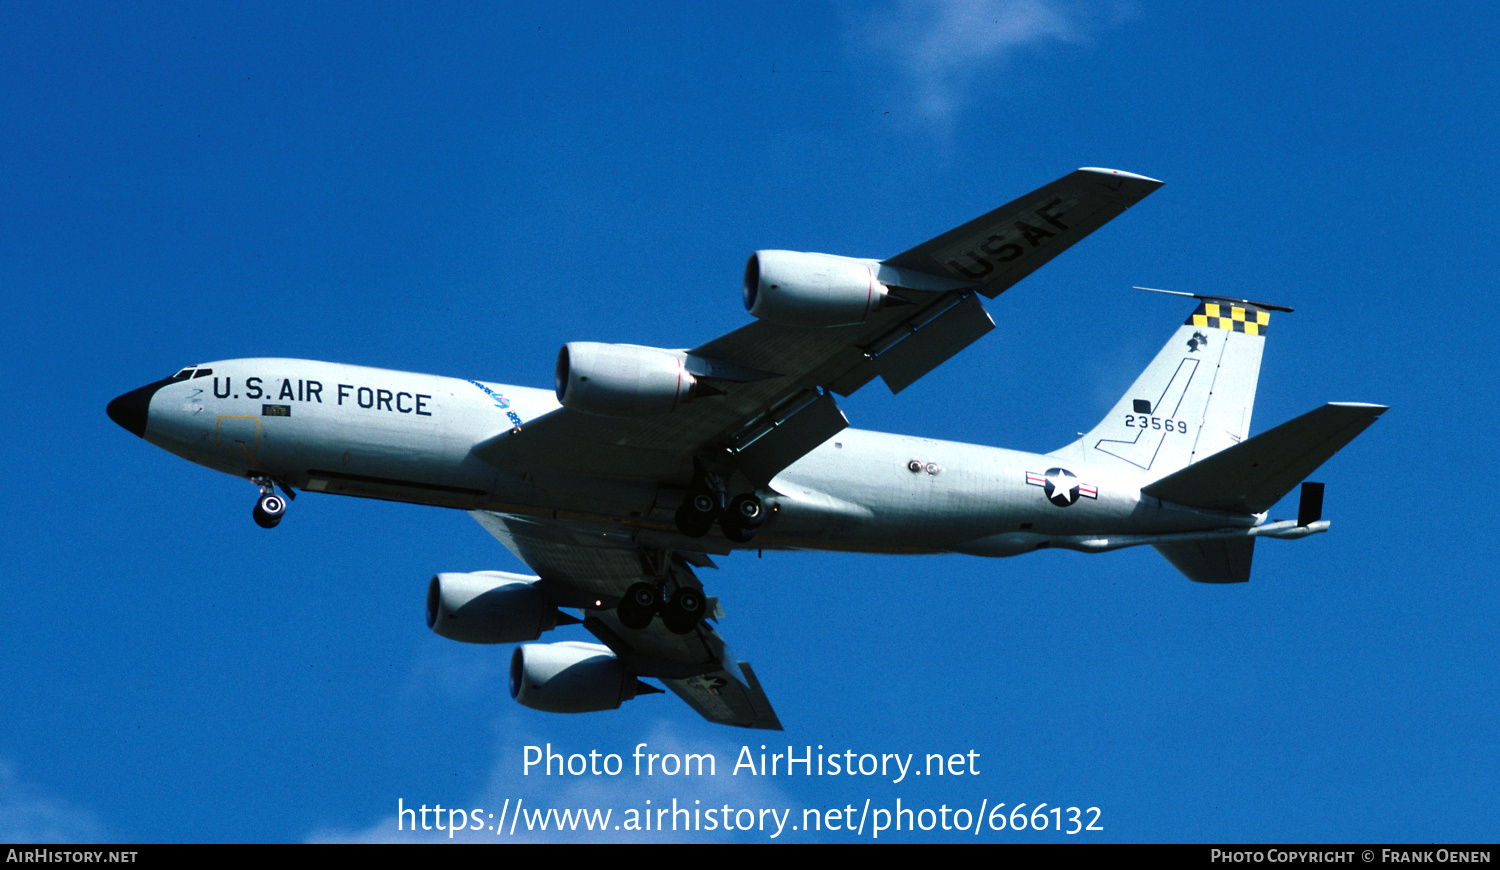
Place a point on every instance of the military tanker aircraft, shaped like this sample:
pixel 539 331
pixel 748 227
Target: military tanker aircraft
pixel 643 462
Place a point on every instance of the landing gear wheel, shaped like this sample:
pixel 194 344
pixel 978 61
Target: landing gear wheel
pixel 269 510
pixel 745 515
pixel 683 613
pixel 697 514
pixel 747 511
pixel 640 603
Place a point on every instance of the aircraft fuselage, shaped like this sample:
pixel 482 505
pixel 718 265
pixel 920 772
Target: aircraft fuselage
pixel 378 433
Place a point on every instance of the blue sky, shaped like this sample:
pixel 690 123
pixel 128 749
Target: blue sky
pixel 460 191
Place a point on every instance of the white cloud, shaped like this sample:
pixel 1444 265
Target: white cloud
pixel 29 816
pixel 618 794
pixel 942 47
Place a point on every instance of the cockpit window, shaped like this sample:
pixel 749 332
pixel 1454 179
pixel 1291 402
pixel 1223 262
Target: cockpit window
pixel 183 375
pixel 191 372
pixel 202 372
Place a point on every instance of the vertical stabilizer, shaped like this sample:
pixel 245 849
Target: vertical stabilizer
pixel 1223 561
pixel 1192 401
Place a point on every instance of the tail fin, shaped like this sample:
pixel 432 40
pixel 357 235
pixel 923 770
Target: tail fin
pixel 1226 560
pixel 1193 400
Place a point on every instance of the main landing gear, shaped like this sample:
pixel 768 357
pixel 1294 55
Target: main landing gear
pixel 708 502
pixel 680 613
pixel 270 507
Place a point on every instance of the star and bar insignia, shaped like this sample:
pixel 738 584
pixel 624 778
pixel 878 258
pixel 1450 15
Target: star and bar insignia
pixel 1061 486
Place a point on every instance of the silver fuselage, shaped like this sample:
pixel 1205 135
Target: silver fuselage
pixel 377 433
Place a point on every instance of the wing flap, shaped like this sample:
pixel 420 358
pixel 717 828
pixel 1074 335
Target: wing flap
pixel 782 440
pixel 931 344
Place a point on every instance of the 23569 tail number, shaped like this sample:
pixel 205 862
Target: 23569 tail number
pixel 1146 421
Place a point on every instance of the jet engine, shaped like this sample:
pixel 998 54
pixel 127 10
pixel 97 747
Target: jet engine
pixel 571 677
pixel 811 289
pixel 622 380
pixel 488 607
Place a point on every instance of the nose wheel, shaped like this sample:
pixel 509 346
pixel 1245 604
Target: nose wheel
pixel 270 507
pixel 269 510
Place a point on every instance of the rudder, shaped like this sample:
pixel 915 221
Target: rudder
pixel 1193 400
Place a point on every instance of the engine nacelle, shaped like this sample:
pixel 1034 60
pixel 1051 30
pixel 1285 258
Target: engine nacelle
pixel 622 380
pixel 570 677
pixel 488 607
pixel 811 289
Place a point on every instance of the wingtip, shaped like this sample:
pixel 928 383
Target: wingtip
pixel 1120 173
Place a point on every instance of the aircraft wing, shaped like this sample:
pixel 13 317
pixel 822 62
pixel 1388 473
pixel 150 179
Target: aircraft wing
pixel 591 569
pixel 768 401
pixel 774 382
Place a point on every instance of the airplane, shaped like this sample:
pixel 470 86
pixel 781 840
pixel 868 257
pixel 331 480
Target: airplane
pixel 644 463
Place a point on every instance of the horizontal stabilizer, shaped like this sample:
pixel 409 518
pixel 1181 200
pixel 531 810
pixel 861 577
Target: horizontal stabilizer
pixel 1226 560
pixel 1254 474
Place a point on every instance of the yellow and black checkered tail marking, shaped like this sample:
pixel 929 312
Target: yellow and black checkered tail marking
pixel 1231 318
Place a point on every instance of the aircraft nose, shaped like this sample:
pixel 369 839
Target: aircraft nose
pixel 130 409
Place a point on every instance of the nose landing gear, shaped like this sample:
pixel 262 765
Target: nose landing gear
pixel 270 507
pixel 269 510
